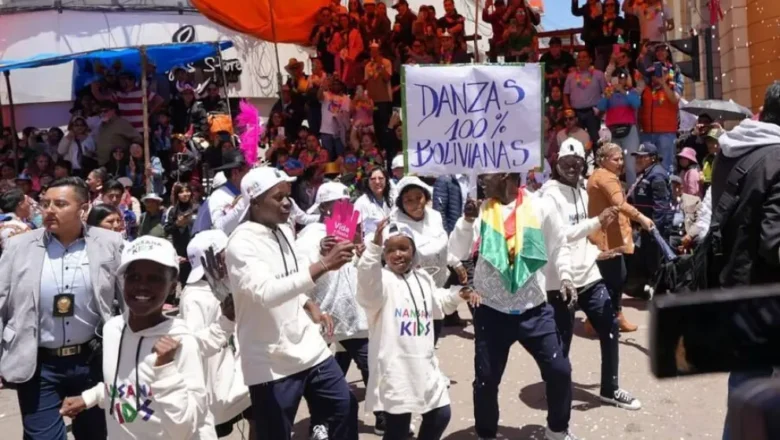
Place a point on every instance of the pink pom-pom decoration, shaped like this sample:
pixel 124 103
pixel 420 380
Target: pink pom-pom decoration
pixel 248 124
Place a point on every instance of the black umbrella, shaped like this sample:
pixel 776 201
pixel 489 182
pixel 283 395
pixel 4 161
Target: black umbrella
pixel 718 110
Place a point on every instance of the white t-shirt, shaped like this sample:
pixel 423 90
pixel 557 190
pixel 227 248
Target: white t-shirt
pixel 651 20
pixel 334 109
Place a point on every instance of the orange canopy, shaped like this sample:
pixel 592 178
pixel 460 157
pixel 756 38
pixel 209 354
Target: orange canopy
pixel 294 19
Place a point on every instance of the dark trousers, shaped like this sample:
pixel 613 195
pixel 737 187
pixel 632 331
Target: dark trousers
pixel 591 123
pixel 383 111
pixel 535 330
pixel 595 301
pixel 275 404
pixel 614 273
pixel 40 398
pixel 356 350
pixel 434 422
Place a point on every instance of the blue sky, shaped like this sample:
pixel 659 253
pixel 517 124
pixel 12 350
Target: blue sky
pixel 558 15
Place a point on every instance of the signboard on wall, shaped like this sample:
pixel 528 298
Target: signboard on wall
pixel 210 66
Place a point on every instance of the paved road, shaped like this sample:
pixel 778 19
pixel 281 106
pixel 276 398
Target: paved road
pixel 691 408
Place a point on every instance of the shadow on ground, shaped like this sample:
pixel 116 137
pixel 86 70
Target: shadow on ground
pixel 582 398
pixel 527 432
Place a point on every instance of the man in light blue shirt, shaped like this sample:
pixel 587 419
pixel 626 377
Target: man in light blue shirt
pixel 58 285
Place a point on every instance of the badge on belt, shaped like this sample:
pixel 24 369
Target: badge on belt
pixel 63 305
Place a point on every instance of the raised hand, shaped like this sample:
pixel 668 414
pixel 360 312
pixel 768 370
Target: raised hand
pixel 216 273
pixel 165 348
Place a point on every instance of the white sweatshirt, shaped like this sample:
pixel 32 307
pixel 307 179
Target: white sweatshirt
pixel 225 210
pixel 571 205
pixel 166 402
pixel 200 309
pixel 405 376
pixel 334 291
pixel 270 281
pixel 487 280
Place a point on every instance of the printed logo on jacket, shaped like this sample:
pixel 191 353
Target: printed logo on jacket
pixel 410 324
pixel 126 395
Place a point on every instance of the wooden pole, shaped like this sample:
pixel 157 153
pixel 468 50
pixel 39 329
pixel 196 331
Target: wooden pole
pixel 276 49
pixel 145 104
pixel 476 31
pixel 14 135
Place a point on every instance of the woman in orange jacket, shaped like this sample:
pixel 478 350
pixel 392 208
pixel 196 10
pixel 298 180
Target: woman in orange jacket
pixel 606 190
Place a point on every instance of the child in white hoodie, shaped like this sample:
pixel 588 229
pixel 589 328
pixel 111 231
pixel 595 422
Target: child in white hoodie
pixel 400 301
pixel 570 200
pixel 213 325
pixel 154 385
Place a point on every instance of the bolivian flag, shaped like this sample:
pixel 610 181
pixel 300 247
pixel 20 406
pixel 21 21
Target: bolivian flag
pixel 515 246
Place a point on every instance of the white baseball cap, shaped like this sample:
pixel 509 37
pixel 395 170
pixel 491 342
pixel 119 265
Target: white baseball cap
pixel 329 192
pixel 219 180
pixel 259 180
pixel 398 162
pixel 572 147
pixel 197 248
pixel 149 248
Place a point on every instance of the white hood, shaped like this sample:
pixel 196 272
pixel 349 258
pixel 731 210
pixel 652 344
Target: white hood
pixel 571 205
pixel 747 136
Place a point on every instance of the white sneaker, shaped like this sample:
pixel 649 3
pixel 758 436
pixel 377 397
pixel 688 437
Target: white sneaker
pixel 565 435
pixel 319 432
pixel 623 399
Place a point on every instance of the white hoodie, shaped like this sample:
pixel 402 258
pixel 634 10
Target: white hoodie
pixel 270 280
pixel 335 291
pixel 405 376
pixel 167 402
pixel 200 309
pixel 571 204
pixel 747 136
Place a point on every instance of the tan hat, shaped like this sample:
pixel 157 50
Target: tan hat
pixel 332 168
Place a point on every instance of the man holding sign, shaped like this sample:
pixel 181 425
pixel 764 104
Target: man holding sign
pixel 516 236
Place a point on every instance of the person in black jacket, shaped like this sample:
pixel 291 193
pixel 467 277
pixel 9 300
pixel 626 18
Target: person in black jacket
pixel 652 196
pixel 178 225
pixel 750 238
pixel 187 113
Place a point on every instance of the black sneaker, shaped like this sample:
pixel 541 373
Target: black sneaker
pixel 623 399
pixel 380 425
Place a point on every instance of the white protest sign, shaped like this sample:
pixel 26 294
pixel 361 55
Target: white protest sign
pixel 472 119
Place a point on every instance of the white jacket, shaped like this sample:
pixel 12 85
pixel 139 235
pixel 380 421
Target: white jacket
pixel 167 402
pixel 487 280
pixel 335 291
pixel 405 376
pixel 225 210
pixel 270 280
pixel 370 214
pixel 200 309
pixel 571 205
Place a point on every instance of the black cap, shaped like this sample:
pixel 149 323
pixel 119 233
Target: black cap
pixel 622 73
pixel 555 41
pixel 231 160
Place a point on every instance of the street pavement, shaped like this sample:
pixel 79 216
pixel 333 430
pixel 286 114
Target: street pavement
pixel 674 409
